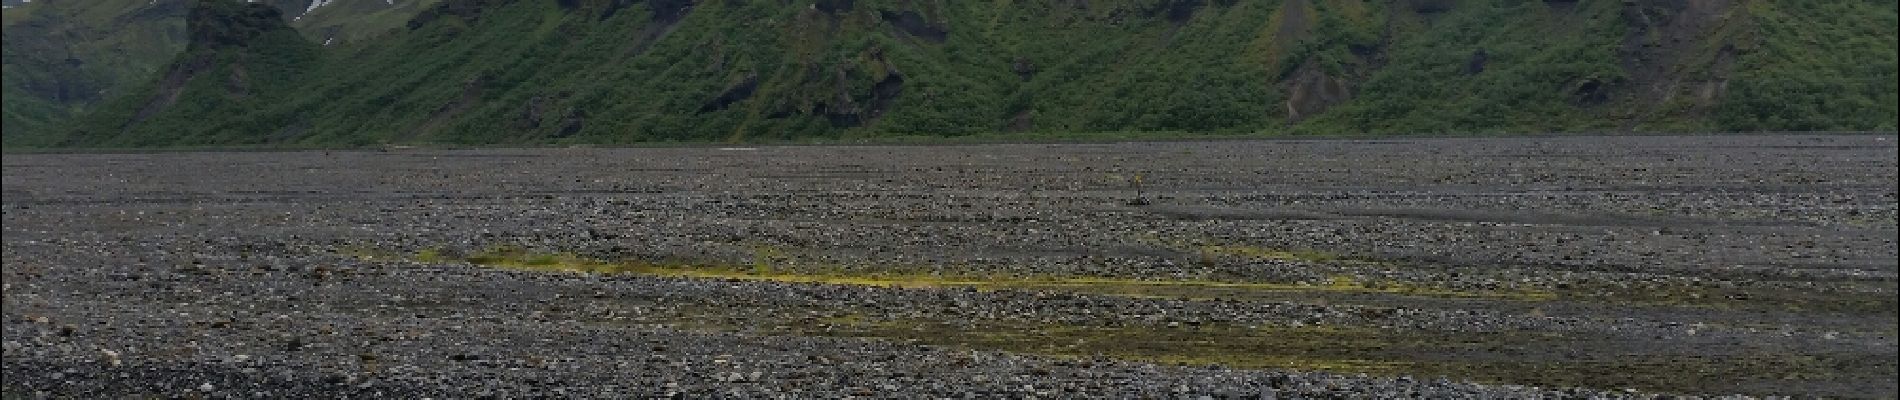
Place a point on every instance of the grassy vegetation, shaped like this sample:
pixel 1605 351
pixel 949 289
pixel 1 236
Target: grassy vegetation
pixel 1535 56
pixel 344 21
pixel 1535 358
pixel 64 57
pixel 1337 287
pixel 763 269
pixel 531 72
pixel 1709 296
pixel 1817 65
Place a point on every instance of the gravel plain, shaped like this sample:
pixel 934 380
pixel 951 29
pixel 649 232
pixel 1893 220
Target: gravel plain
pixel 1563 267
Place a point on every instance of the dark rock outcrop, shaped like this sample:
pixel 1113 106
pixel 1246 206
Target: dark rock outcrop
pixel 733 94
pixel 1476 64
pixel 214 24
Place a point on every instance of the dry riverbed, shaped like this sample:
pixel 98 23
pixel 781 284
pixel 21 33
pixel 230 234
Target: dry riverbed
pixel 1487 268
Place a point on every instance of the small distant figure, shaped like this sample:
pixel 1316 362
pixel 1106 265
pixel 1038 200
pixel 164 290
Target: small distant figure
pixel 1141 198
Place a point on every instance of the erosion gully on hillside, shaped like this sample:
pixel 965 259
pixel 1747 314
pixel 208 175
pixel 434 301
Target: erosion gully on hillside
pixel 1579 266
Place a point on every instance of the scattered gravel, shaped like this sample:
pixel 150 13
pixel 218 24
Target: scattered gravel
pixel 295 274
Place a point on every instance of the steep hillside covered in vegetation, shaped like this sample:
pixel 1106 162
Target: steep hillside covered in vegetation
pixel 64 56
pixel 611 71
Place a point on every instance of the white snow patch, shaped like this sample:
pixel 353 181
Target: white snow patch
pixel 314 4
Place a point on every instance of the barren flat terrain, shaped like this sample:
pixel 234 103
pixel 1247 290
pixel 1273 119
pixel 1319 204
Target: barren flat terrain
pixel 1506 268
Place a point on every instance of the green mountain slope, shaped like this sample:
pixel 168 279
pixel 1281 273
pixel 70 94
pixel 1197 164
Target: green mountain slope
pixel 337 21
pixel 608 71
pixel 61 56
pixel 64 56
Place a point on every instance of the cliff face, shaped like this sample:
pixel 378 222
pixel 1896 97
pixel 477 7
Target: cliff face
pixel 216 25
pixel 503 71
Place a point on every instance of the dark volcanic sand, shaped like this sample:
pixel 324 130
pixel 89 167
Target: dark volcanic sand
pixel 1755 265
